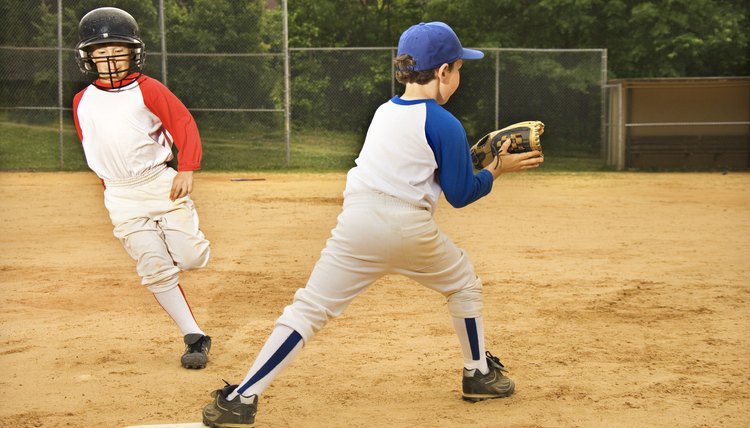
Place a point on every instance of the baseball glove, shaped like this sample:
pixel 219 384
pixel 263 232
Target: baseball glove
pixel 523 136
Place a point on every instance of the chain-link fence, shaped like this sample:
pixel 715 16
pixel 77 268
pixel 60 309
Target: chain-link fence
pixel 241 100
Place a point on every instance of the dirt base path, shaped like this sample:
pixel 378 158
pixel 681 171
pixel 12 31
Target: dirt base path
pixel 615 299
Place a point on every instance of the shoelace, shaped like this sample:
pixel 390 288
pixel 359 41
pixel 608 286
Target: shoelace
pixel 197 346
pixel 228 388
pixel 496 361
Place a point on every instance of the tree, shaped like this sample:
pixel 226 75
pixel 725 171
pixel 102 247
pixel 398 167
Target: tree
pixel 346 23
pixel 357 81
pixel 674 38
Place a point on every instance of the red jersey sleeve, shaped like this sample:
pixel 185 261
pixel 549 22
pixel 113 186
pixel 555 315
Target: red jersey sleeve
pixel 177 120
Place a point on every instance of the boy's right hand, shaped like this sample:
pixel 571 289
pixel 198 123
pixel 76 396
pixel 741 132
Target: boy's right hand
pixel 514 162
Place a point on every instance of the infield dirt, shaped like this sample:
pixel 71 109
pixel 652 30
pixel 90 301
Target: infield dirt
pixel 614 299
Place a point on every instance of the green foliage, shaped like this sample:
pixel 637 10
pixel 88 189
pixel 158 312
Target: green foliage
pixel 685 38
pixel 338 90
pixel 359 80
pixel 40 17
pixel 207 26
pixel 674 38
pixel 214 26
pixel 346 23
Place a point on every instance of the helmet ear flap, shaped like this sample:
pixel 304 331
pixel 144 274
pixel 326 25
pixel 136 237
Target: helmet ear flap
pixel 85 63
pixel 138 57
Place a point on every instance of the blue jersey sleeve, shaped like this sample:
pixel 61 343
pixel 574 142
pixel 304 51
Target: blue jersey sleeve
pixel 447 138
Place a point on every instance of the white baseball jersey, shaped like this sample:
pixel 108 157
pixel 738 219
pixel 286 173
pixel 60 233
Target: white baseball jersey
pixel 413 151
pixel 127 136
pixel 130 131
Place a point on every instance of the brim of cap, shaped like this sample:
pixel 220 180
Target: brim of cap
pixel 472 54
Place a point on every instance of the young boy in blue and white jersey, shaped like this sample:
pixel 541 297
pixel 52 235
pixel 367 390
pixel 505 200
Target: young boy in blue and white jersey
pixel 414 151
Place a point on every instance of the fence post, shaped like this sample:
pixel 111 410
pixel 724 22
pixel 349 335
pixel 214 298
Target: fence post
pixel 287 104
pixel 163 35
pixel 60 82
pixel 603 119
pixel 497 89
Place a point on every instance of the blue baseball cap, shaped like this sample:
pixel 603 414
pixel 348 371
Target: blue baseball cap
pixel 433 44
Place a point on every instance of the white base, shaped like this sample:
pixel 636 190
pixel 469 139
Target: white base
pixel 188 425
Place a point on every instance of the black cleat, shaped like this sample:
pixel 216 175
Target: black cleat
pixel 222 413
pixel 196 351
pixel 478 386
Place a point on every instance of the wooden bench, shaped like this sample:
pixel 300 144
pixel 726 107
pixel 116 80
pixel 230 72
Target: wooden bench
pixel 702 152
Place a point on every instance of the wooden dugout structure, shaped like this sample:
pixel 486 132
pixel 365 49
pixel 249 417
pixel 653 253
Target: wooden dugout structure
pixel 678 124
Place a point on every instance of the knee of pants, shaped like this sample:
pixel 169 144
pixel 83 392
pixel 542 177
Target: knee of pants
pixel 161 281
pixel 197 260
pixel 467 302
pixel 307 314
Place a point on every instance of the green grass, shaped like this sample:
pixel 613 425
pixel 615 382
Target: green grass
pixel 310 151
pixel 566 162
pixel 37 148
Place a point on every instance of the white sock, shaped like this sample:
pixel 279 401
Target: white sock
pixel 276 354
pixel 175 304
pixel 470 333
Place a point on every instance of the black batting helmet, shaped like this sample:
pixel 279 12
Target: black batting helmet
pixel 108 25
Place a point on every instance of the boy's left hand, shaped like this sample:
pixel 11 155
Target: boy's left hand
pixel 514 162
pixel 182 185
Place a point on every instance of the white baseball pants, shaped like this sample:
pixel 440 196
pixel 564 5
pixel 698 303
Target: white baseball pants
pixel 162 236
pixel 377 234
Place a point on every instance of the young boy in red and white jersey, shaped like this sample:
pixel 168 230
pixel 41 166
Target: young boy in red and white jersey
pixel 127 123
